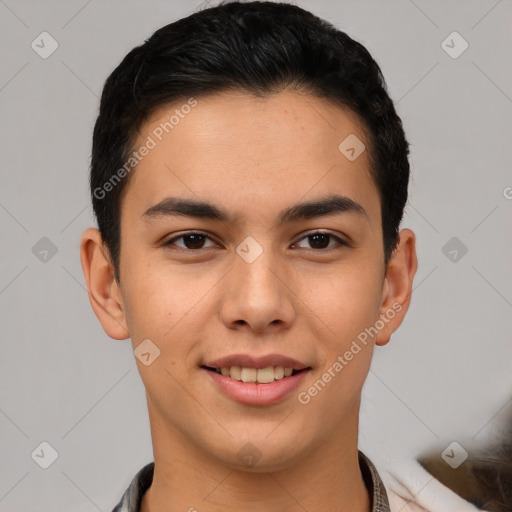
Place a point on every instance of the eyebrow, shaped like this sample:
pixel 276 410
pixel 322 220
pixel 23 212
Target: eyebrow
pixel 334 204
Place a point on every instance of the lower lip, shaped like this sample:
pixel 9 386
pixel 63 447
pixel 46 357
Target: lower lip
pixel 252 393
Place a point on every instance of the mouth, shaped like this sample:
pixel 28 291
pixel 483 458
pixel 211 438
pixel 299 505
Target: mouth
pixel 259 380
pixel 262 386
pixel 256 375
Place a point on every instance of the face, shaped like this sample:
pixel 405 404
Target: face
pixel 253 277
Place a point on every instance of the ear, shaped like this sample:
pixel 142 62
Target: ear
pixel 397 288
pixel 104 293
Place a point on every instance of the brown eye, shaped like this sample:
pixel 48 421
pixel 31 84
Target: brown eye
pixel 320 240
pixel 191 241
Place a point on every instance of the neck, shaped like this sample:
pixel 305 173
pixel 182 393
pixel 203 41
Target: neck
pixel 328 477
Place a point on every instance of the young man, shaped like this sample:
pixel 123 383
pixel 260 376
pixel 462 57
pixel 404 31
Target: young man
pixel 249 174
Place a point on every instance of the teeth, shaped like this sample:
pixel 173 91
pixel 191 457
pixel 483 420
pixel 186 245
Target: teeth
pixel 249 374
pixel 235 372
pixel 265 375
pixel 262 375
pixel 278 372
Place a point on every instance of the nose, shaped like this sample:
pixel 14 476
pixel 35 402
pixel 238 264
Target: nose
pixel 257 294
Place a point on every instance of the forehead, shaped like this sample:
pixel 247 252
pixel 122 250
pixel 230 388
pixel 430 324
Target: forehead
pixel 251 154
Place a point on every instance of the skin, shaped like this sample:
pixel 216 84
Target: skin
pixel 253 157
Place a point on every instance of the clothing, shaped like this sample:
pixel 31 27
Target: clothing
pixel 132 498
pixel 410 488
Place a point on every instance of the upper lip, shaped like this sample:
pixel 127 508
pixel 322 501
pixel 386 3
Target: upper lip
pixel 248 361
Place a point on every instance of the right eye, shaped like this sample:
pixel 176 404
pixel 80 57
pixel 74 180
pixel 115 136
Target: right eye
pixel 193 241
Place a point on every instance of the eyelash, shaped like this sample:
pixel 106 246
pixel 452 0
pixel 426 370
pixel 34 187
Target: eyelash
pixel 340 242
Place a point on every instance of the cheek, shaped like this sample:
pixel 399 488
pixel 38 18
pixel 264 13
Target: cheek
pixel 347 301
pixel 348 307
pixel 153 308
pixel 164 304
pixel 159 310
pixel 148 300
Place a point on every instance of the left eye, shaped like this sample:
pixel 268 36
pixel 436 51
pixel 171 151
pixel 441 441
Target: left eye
pixel 319 238
pixel 195 240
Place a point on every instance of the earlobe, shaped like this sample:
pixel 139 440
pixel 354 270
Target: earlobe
pixel 104 294
pixel 397 286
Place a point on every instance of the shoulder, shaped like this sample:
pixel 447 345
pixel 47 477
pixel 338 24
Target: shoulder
pixel 132 497
pixel 411 488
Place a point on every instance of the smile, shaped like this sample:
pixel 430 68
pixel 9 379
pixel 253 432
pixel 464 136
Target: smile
pixel 251 375
pixel 251 386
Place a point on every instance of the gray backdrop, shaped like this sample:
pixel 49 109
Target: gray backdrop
pixel 446 374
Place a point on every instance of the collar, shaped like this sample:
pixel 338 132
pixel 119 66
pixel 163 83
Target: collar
pixel 132 498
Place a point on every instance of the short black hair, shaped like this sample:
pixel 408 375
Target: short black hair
pixel 256 47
